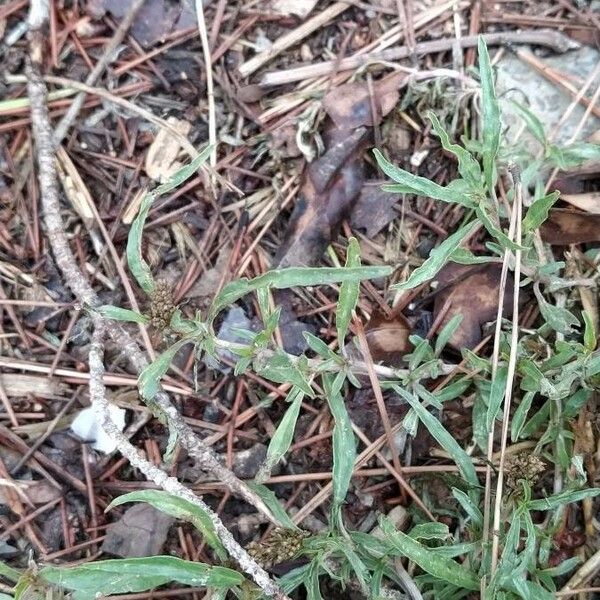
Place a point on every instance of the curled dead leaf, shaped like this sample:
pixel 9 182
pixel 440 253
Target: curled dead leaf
pixel 470 291
pixel 161 160
pixel 350 105
pixel 388 338
pixel 331 186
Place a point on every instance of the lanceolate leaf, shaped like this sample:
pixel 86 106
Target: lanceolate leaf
pixel 538 211
pixel 292 277
pixel 284 434
pixel 349 291
pixel 344 444
pixel 180 509
pixel 137 575
pixel 441 567
pixel 273 504
pixel 443 437
pixel 137 265
pixel 490 114
pixel 562 498
pixel 116 313
pixel 468 167
pixel 409 183
pixel 149 380
pixel 438 258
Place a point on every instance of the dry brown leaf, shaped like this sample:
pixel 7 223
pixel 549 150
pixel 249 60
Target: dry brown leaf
pixel 564 227
pixel 333 182
pixel 153 22
pixel 161 160
pixel 331 186
pixel 388 338
pixel 589 202
pixel 350 105
pixel 470 291
pixel 141 531
pixel 37 492
pixel 374 209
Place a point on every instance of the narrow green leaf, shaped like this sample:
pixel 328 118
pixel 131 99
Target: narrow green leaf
pixel 313 589
pixel 137 265
pixel 293 277
pixel 440 567
pixel 559 318
pixel 534 125
pixel 280 369
pixel 469 507
pixel 438 258
pixel 520 416
pixel 468 167
pixel 589 333
pixel 137 575
pixel 572 155
pixel 490 114
pixel 284 434
pixel 273 504
pixel 561 569
pixel 443 437
pixel 496 395
pixel 462 256
pixel 9 572
pixel 538 211
pixel 320 347
pixel 344 444
pixel 562 498
pixel 429 531
pixel 419 185
pixel 117 313
pixel 180 509
pixel 149 379
pixel 349 290
pixel 494 230
pixel 446 333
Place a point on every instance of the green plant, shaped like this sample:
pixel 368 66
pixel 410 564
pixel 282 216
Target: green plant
pixel 554 368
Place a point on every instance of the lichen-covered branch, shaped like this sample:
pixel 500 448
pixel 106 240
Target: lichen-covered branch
pixel 76 280
pixel 159 477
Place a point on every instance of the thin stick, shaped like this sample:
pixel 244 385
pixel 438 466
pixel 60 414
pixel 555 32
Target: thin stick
pixel 512 363
pixel 159 477
pixel 67 120
pixel 552 39
pixel 212 119
pixel 293 37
